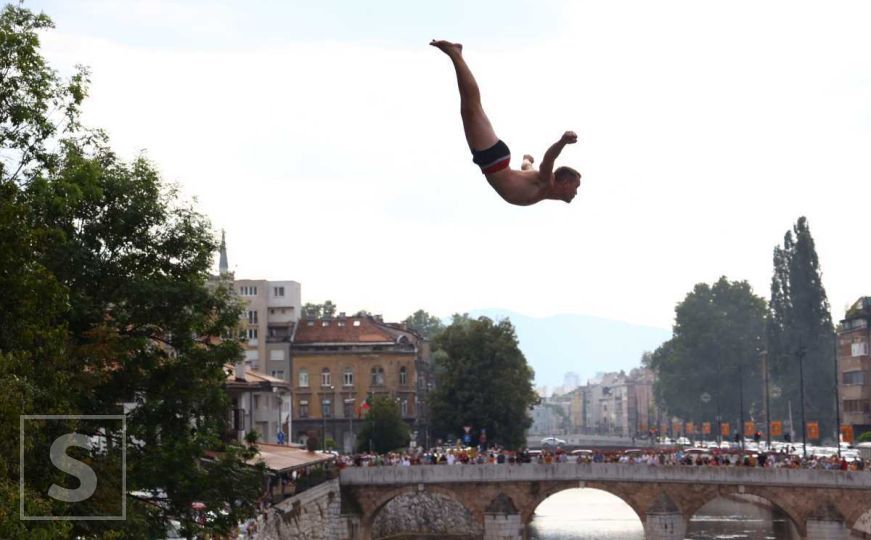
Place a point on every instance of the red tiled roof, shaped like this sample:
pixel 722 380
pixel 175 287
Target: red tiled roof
pixel 343 330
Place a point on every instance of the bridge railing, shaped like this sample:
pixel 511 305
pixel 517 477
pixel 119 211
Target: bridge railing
pixel 604 472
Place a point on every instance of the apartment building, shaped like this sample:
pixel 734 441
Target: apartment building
pixel 854 366
pixel 259 403
pixel 339 362
pixel 272 309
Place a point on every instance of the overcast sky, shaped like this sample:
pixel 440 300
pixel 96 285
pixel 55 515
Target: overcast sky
pixel 325 138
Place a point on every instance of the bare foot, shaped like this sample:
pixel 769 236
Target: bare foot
pixel 447 47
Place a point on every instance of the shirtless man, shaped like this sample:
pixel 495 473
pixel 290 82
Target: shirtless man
pixel 526 186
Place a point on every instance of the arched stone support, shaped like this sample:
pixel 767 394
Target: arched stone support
pixel 664 520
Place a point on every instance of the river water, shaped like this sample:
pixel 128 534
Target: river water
pixel 589 514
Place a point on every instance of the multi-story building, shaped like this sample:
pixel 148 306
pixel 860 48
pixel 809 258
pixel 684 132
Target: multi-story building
pixel 854 366
pixel 339 362
pixel 272 309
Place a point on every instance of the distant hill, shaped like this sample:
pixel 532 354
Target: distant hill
pixel 580 343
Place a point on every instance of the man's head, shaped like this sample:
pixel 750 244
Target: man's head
pixel 567 181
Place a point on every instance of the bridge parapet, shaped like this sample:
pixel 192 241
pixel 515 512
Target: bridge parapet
pixel 604 472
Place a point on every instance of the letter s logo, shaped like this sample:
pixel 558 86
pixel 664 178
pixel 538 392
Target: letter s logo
pixel 86 475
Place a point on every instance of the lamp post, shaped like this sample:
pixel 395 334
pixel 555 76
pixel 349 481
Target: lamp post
pixel 763 354
pixel 837 398
pixel 350 401
pixel 800 354
pixel 705 398
pixel 741 404
pixel 324 406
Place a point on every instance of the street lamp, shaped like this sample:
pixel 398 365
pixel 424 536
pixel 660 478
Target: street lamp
pixel 324 415
pixel 800 353
pixel 350 401
pixel 706 398
pixel 837 399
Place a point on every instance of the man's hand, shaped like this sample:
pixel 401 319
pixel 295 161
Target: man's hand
pixel 569 137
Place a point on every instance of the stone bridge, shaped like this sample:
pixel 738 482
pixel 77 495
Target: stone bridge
pixel 498 501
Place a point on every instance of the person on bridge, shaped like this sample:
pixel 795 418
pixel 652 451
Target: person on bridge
pixel 522 187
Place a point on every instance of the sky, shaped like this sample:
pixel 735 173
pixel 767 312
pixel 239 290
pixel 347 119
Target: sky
pixel 325 138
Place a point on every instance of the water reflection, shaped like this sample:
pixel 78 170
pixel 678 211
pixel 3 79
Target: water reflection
pixel 589 514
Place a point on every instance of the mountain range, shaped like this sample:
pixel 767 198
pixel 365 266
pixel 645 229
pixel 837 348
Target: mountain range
pixel 582 344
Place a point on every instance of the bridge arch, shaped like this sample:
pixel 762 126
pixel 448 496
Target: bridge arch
pixel 616 489
pixel 702 497
pixel 408 510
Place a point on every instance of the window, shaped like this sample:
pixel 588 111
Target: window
pixel 403 407
pixel 303 377
pixel 326 409
pixel 340 323
pixel 356 323
pixel 859 349
pixel 348 409
pixel 278 373
pixel 403 376
pixel 326 377
pixel 857 406
pixel 246 290
pixel 276 354
pixel 256 404
pixel 325 323
pixel 348 377
pixel 252 317
pixel 377 376
pixel 854 377
pixel 303 408
pixel 252 333
pixel 278 291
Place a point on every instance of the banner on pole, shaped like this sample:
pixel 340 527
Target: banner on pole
pixel 776 428
pixel 749 429
pixel 813 431
pixel 724 429
pixel 847 433
pixel 706 428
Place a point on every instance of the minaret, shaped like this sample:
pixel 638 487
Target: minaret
pixel 223 267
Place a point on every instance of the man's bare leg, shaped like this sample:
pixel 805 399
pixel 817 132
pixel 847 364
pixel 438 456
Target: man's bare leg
pixel 479 132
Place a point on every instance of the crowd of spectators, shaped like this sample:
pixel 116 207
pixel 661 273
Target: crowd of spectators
pixel 786 457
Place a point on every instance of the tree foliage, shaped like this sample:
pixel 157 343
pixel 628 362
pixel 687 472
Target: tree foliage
pixel 424 324
pixel 714 350
pixel 482 380
pixel 383 429
pixel 800 323
pixel 106 300
pixel 327 310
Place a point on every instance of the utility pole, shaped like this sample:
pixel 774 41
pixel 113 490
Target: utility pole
pixel 764 355
pixel 837 399
pixel 800 353
pixel 741 404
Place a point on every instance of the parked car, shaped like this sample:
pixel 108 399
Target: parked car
pixel 552 441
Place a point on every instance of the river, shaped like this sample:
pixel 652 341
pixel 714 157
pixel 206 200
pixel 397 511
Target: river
pixel 589 514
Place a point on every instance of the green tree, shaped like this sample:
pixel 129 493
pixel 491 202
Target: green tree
pixel 383 429
pixel 106 300
pixel 799 325
pixel 327 310
pixel 482 380
pixel 424 324
pixel 714 350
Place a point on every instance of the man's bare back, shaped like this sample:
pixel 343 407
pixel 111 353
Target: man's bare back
pixel 521 187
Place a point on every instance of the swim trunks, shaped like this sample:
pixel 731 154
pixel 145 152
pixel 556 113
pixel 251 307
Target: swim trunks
pixel 492 159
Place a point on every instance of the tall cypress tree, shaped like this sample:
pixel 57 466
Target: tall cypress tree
pixel 800 329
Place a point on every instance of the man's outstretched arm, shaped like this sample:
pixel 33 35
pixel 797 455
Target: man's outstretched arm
pixel 546 168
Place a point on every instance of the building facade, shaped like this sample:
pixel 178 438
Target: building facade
pixel 854 366
pixel 339 362
pixel 258 403
pixel 271 311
